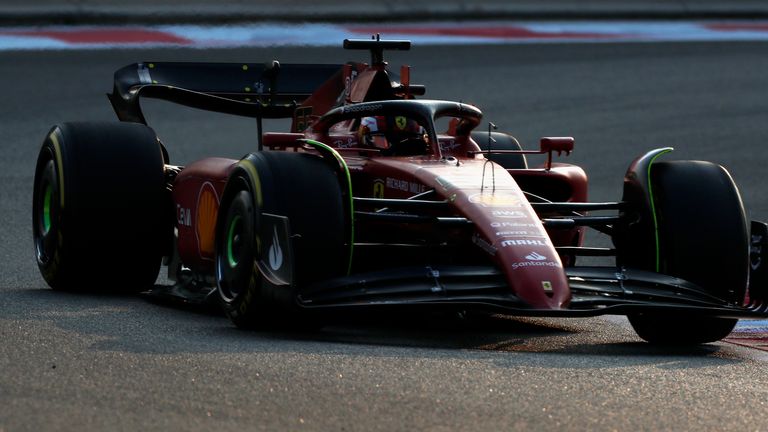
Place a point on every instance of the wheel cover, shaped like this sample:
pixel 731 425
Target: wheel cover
pixel 235 248
pixel 234 242
pixel 46 212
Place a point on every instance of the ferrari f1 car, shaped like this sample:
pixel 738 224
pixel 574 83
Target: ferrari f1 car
pixel 365 204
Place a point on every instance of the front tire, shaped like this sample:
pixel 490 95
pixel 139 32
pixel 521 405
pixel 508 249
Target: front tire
pixel 703 238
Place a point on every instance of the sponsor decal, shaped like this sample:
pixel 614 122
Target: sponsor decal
pixel 511 233
pixel 523 242
pixel 526 264
pixel 534 256
pixel 404 185
pixel 517 234
pixel 449 145
pixel 348 83
pixel 207 210
pixel 508 214
pixel 495 200
pixel 378 188
pixel 183 216
pixel 350 142
pixel 275 253
pixel 512 225
pixel 358 108
pixel 546 286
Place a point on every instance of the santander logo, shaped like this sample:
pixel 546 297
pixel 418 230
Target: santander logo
pixel 533 256
pixel 534 259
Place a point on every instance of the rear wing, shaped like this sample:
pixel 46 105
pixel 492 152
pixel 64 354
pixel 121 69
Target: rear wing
pixel 254 90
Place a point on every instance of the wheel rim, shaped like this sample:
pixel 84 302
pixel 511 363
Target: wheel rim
pixel 47 209
pixel 235 248
pixel 234 243
pixel 46 212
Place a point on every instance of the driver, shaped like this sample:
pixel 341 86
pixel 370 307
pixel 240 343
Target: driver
pixel 394 135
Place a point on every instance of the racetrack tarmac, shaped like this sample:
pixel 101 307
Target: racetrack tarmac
pixel 83 361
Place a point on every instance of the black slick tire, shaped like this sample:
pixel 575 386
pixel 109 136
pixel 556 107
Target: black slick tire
pixel 303 188
pixel 99 207
pixel 703 238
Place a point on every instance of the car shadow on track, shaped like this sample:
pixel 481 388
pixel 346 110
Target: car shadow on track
pixel 587 336
pixel 129 323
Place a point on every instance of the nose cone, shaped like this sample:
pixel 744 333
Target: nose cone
pixel 535 273
pixel 503 217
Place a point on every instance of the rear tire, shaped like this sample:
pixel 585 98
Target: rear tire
pixel 303 188
pixel 704 239
pixel 99 207
pixel 502 142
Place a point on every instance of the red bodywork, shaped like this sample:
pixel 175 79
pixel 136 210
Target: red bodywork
pixel 507 230
pixel 197 195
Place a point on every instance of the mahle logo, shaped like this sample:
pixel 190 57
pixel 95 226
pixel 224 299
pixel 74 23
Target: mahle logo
pixel 523 242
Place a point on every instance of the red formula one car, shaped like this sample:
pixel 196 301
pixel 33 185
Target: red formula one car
pixel 365 204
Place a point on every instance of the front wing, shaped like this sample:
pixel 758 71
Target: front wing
pixel 595 291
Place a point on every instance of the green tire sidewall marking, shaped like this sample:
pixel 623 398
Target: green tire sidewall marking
pixel 653 208
pixel 59 163
pixel 345 169
pixel 231 260
pixel 250 168
pixel 253 174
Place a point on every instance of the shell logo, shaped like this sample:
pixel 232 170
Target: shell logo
pixel 207 209
pixel 495 200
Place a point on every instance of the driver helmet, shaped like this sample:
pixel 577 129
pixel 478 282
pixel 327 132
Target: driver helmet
pixel 394 128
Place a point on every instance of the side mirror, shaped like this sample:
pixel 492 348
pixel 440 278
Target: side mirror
pixel 557 144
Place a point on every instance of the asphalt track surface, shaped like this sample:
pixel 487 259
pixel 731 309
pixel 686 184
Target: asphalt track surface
pixel 89 362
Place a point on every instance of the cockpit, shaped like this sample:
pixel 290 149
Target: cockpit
pixel 394 135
